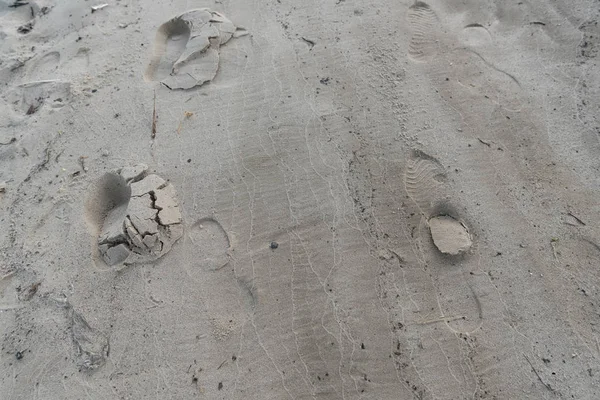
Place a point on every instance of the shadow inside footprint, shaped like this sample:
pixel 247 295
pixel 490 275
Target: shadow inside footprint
pixel 109 195
pixel 135 216
pixel 112 239
pixel 169 44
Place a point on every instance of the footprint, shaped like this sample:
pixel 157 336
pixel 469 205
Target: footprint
pixel 445 243
pixel 423 23
pixel 211 243
pixel 42 87
pixel 169 45
pixel 44 67
pixel 459 59
pixel 186 48
pixel 19 19
pixel 91 346
pixel 475 35
pixel 29 98
pixel 423 179
pixel 80 61
pixel 135 216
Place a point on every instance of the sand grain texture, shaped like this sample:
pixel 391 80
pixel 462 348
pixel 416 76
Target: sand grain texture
pixel 341 200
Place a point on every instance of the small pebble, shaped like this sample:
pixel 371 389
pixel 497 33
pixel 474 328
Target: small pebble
pixel 274 245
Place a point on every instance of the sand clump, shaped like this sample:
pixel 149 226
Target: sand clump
pixel 186 48
pixel 449 235
pixel 140 216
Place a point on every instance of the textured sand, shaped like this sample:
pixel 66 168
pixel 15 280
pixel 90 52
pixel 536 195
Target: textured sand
pixel 354 199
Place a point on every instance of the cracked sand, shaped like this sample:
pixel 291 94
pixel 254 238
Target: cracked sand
pixel 146 226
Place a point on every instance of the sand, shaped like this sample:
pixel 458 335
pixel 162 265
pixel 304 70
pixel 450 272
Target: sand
pixel 299 199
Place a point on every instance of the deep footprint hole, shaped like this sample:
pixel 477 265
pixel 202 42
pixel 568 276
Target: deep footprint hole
pixel 109 196
pixel 169 44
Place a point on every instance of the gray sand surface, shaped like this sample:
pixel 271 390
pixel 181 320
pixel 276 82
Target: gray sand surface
pixel 284 199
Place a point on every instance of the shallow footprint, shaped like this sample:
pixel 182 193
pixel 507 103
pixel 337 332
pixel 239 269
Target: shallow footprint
pixel 135 216
pixel 170 42
pixel 186 48
pixel 424 178
pixel 28 98
pixel 445 242
pixel 475 35
pixel 44 67
pixel 91 346
pixel 211 243
pixel 484 80
pixel 42 87
pixel 423 22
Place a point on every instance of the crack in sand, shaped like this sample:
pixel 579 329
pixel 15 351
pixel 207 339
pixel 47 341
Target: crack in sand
pixel 141 218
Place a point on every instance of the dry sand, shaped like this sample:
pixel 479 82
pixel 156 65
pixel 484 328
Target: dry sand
pixel 343 199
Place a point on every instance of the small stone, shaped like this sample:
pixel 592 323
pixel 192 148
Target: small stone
pixel 274 245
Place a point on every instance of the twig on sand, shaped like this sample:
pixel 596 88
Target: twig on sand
pixel 32 109
pixel 576 218
pixel 484 142
pixel 154 118
pixel 18 3
pixel 538 375
pixel 82 163
pixel 311 43
pixel 223 363
pixel 441 319
pixel 553 243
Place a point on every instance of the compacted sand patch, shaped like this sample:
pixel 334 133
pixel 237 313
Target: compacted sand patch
pixel 449 235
